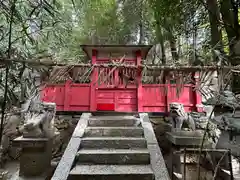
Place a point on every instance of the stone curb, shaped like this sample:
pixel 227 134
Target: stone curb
pixel 157 161
pixel 63 169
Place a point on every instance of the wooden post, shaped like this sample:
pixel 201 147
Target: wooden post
pixel 67 94
pixel 168 91
pixel 139 80
pixel 197 96
pixel 116 78
pixel 93 87
pixel 116 86
pixel 167 87
pixel 194 93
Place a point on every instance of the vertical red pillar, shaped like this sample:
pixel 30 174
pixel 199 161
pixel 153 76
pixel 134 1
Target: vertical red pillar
pixel 168 93
pixel 116 86
pixel 198 98
pixel 116 78
pixel 67 92
pixel 139 80
pixel 93 82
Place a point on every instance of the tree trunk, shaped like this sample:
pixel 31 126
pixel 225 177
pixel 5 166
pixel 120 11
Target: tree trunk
pixel 161 42
pixel 173 46
pixel 229 11
pixel 194 59
pixel 141 35
pixel 163 51
pixel 141 31
pixel 230 20
pixel 216 34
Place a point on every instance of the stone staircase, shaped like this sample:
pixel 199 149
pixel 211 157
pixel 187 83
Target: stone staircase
pixel 112 148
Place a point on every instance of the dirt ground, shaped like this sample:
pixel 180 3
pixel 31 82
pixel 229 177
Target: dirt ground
pixel 12 169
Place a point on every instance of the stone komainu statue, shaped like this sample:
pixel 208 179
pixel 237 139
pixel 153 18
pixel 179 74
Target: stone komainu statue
pixel 179 116
pixel 36 120
pixel 39 119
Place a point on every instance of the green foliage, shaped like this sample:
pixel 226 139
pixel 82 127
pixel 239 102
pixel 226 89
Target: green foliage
pixel 62 25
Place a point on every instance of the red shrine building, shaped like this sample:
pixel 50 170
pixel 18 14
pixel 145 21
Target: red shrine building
pixel 112 94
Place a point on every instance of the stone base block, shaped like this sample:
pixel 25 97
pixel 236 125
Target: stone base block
pixel 36 156
pixel 185 138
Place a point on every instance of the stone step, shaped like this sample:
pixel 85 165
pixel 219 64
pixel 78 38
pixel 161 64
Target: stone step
pixel 113 156
pixel 114 131
pixel 113 122
pixel 112 113
pixel 113 142
pixel 112 117
pixel 111 172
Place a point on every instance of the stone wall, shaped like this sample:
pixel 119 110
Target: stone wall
pixel 65 125
pixel 160 128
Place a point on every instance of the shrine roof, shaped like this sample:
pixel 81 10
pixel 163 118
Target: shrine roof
pixel 116 48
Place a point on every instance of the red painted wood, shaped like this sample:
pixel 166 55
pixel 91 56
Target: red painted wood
pixel 105 107
pixel 127 94
pixel 186 96
pixel 113 90
pixel 67 93
pixel 54 93
pixel 199 106
pixel 126 108
pixel 139 80
pixel 127 60
pixel 126 100
pixel 79 98
pixel 93 83
pixel 153 97
pixel 123 100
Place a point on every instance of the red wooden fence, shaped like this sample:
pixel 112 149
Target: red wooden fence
pixel 77 97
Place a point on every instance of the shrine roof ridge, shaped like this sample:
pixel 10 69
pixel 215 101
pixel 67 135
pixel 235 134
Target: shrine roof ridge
pixel 116 45
pixel 87 48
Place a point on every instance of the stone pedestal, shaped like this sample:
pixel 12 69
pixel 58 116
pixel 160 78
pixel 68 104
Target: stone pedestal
pixel 180 139
pixel 185 138
pixel 36 155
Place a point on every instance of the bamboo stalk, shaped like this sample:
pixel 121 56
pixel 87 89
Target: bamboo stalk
pixel 3 107
pixel 151 67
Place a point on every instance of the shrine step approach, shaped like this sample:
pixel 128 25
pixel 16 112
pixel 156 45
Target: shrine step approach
pixel 119 147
